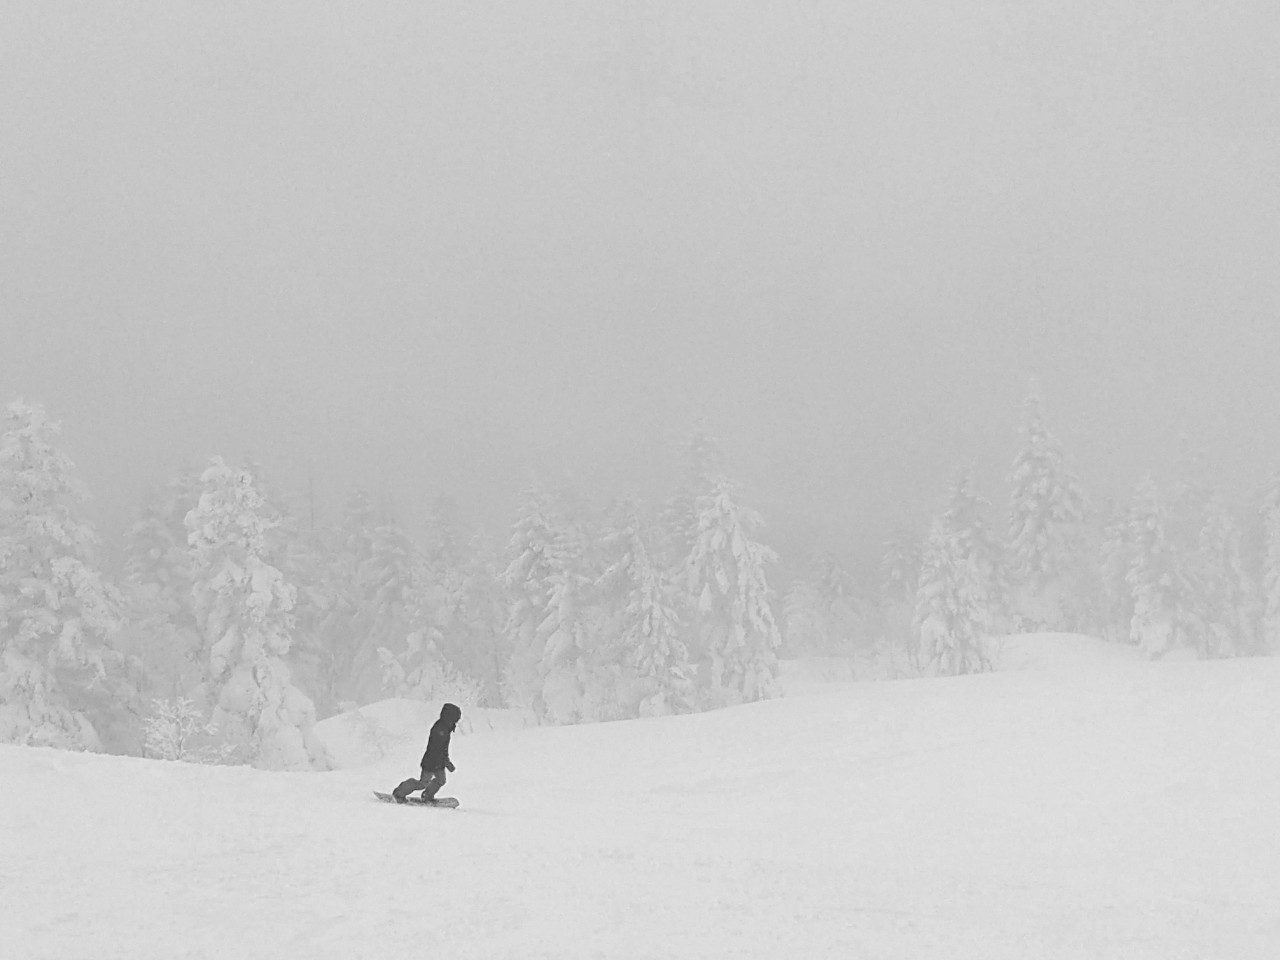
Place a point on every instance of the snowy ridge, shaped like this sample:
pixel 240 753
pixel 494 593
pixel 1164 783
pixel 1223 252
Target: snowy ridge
pixel 1125 811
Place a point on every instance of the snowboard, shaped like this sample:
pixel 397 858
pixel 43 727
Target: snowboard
pixel 450 803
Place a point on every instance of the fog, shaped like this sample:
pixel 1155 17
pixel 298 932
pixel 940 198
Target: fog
pixel 450 248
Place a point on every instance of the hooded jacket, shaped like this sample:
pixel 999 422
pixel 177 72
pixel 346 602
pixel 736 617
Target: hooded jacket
pixel 437 755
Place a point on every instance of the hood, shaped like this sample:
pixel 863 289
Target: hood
pixel 450 713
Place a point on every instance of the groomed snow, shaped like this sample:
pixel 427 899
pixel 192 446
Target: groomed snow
pixel 1106 809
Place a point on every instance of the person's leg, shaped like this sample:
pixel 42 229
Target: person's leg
pixel 431 783
pixel 406 788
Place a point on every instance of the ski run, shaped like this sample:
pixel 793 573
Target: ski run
pixel 1088 805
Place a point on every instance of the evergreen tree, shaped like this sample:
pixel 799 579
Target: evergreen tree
pixel 806 628
pixel 347 651
pixel 900 566
pixel 421 673
pixel 577 676
pixel 1188 585
pixel 1271 569
pixel 1115 553
pixel 647 624
pixel 243 606
pixel 374 634
pixel 156 552
pixel 822 613
pixel 953 612
pixel 472 615
pixel 431 595
pixel 547 628
pixel 303 551
pixel 1225 588
pixel 57 611
pixel 392 619
pixel 966 522
pixel 704 461
pixel 162 631
pixel 734 632
pixel 899 586
pixel 534 559
pixel 1047 524
pixel 1156 580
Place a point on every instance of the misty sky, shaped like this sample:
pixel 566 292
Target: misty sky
pixel 452 247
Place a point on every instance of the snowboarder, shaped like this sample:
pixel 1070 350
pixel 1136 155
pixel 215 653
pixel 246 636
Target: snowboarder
pixel 436 760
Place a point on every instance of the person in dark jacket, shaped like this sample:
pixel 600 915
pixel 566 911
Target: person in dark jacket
pixel 436 760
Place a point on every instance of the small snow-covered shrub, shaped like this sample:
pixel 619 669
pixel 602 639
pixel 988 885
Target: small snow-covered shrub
pixel 177 730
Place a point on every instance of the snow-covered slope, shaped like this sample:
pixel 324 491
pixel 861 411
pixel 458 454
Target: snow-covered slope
pixel 1124 811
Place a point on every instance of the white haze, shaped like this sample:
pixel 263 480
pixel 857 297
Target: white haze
pixel 448 247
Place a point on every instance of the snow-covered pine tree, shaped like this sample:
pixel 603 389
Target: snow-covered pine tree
pixel 646 601
pixel 1271 567
pixel 446 542
pixel 579 680
pixel 420 671
pixel 1156 580
pixel 900 566
pixel 161 630
pixel 349 661
pixel 899 587
pixel 1115 556
pixel 1048 518
pixel 546 578
pixel 427 598
pixel 391 575
pixel 704 461
pixel 303 550
pixel 822 614
pixel 452 565
pixel 1205 593
pixel 1226 591
pixel 953 612
pixel 392 617
pixel 966 519
pixel 806 629
pixel 57 611
pixel 734 634
pixel 472 614
pixel 155 549
pixel 533 559
pixel 243 606
pixel 1186 513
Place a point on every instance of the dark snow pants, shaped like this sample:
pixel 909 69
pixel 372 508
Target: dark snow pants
pixel 430 784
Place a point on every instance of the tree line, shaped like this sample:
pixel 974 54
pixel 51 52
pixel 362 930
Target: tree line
pixel 234 624
pixel 233 611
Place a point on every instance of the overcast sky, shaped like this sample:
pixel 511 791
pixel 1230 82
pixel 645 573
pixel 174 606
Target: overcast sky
pixel 450 247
